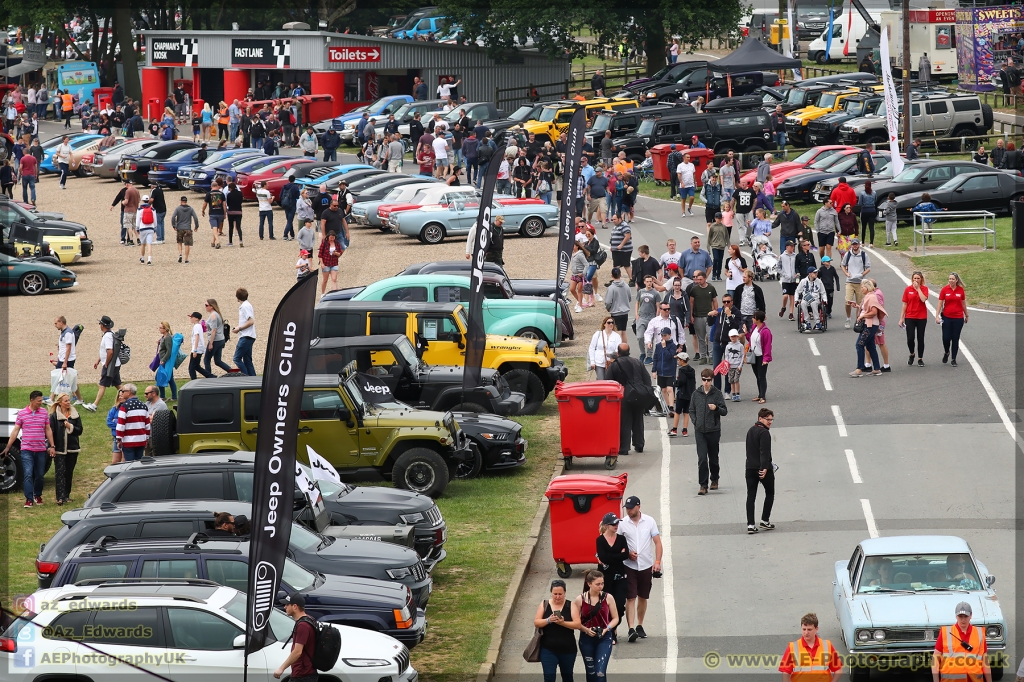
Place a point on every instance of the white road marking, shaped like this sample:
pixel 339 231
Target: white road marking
pixel 650 220
pixel 668 585
pixel 839 421
pixel 824 377
pixel 814 346
pixel 982 377
pixel 854 471
pixel 870 518
pixel 686 229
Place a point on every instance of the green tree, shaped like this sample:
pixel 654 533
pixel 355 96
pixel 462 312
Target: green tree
pixel 647 25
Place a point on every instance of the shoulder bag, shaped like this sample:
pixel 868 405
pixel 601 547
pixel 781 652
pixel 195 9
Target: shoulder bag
pixel 531 654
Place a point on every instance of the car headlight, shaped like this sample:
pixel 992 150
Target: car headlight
pixel 411 518
pixel 864 636
pixel 879 635
pixel 494 436
pixel 201 176
pixel 399 573
pixel 994 632
pixel 365 662
pixel 651 94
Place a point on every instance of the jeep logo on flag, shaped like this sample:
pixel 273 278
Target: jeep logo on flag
pixel 373 389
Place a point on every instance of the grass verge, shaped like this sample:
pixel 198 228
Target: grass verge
pixel 485 519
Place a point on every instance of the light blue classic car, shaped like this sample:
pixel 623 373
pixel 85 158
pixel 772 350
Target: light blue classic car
pixel 431 224
pixel 894 594
pixel 504 313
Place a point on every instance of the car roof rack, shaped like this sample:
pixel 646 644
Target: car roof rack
pixel 108 506
pixel 112 582
pixel 101 544
pixel 739 103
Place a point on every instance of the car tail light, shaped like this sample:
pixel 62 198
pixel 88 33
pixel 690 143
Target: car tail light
pixel 87 158
pixel 133 166
pixel 47 567
pixel 403 619
pixel 438 537
pixel 11 645
pixel 157 167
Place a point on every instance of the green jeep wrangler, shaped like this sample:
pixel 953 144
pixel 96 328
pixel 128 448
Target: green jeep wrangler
pixel 418 450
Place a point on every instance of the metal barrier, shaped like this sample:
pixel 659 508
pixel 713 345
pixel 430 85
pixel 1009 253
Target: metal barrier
pixel 927 231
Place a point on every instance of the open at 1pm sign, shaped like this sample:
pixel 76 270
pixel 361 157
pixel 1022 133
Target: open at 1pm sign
pixel 353 54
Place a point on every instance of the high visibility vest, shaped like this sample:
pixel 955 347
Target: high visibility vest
pixel 957 662
pixel 807 668
pixel 67 102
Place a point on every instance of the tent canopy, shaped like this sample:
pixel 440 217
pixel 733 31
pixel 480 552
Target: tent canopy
pixel 753 55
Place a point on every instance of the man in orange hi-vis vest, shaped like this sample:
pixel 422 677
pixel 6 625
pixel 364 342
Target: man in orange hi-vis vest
pixel 810 659
pixel 960 650
pixel 67 107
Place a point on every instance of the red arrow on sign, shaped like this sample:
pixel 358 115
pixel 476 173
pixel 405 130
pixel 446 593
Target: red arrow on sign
pixel 352 54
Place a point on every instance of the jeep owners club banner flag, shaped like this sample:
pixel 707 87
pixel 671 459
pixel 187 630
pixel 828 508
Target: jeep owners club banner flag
pixel 892 117
pixel 284 374
pixel 567 216
pixel 476 337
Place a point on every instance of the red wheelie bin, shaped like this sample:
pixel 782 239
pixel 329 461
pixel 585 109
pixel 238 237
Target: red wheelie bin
pixel 577 503
pixel 588 412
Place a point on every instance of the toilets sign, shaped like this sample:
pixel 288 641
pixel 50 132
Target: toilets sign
pixel 353 54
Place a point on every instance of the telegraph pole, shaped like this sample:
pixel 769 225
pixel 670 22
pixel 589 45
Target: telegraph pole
pixel 906 75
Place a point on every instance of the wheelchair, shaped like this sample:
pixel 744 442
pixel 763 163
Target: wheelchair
pixel 802 325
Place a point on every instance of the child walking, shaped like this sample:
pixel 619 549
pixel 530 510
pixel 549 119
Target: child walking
pixel 685 385
pixel 769 192
pixel 887 210
pixel 302 265
pixel 735 353
pixel 665 367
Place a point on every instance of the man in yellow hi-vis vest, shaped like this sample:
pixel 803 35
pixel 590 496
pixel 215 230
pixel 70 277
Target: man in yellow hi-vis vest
pixel 960 650
pixel 810 659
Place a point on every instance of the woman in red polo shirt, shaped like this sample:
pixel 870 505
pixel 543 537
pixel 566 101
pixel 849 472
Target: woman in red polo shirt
pixel 914 316
pixel 952 315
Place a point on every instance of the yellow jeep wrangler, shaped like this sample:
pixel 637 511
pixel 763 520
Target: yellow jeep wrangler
pixel 528 365
pixel 796 121
pixel 554 119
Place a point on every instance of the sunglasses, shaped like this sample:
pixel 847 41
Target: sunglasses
pixel 706 380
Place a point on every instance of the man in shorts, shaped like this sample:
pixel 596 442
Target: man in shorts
pixel 687 185
pixel 644 543
pixel 182 220
pixel 110 373
pixel 856 265
pixel 621 245
pixel 215 202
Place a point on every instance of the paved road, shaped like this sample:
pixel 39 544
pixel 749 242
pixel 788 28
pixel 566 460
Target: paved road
pixel 917 451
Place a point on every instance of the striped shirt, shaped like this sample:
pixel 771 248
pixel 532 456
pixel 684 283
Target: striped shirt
pixel 133 423
pixel 33 428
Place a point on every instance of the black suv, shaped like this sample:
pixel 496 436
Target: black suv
pixel 743 129
pixel 625 121
pixel 695 84
pixel 378 605
pixel 228 476
pixel 180 519
pixel 825 130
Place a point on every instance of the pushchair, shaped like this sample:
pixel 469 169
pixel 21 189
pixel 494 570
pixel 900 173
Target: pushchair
pixel 766 262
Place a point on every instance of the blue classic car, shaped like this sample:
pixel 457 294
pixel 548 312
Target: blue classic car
pixel 165 173
pixel 200 179
pixel 894 594
pixel 76 143
pixel 346 123
pixel 431 224
pixel 322 176
pixel 183 173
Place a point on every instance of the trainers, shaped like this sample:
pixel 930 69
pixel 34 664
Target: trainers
pixel 78 402
pixel 952 363
pixel 141 261
pixel 686 432
pixel 179 258
pixel 751 530
pixel 887 369
pixel 632 635
pixel 599 297
pixel 672 433
pixel 847 325
pixel 577 309
pixel 920 362
pixel 945 358
pixel 89 406
pixel 736 397
pixel 39 501
pixel 702 491
pixel 640 631
pixel 767 525
pixel 28 504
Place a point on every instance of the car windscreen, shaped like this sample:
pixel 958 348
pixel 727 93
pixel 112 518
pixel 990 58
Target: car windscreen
pixel 304 539
pixel 806 156
pixel 408 352
pixel 548 114
pixel 646 127
pixel 352 386
pixel 855 107
pixel 919 573
pixel 909 175
pixel 795 96
pixel 523 113
pixel 602 123
pixel 843 164
pixel 827 161
pixel 827 100
pixel 181 155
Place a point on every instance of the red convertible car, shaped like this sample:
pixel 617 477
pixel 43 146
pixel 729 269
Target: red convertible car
pixel 275 175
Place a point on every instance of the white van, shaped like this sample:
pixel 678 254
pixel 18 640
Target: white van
pixel 848 27
pixel 932 31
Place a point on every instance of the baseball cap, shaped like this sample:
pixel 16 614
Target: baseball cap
pixel 963 609
pixel 106 321
pixel 733 332
pixel 826 259
pixel 610 519
pixel 811 269
pixel 196 316
pixel 682 356
pixel 672 266
pixel 304 252
pixel 633 502
pixel 145 198
pixel 342 182
pixel 855 241
pixel 297 599
pixel 718 214
pixel 666 331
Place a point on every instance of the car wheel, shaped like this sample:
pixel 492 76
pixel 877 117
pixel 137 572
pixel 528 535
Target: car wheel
pixel 32 284
pixel 475 408
pixel 420 470
pixel 533 227
pixel 751 160
pixel 470 468
pixel 10 471
pixel 526 382
pixel 162 432
pixel 875 139
pixel 432 233
pixel 820 58
pixel 532 333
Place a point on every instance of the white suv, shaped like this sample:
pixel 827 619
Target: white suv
pixel 181 630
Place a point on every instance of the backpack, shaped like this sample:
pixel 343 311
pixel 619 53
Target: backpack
pixel 147 216
pixel 327 643
pixel 78 329
pixel 121 349
pixel 1013 75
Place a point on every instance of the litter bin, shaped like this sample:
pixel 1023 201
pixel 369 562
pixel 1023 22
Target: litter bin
pixel 576 504
pixel 1017 228
pixel 659 153
pixel 589 415
pixel 701 159
pixel 316 108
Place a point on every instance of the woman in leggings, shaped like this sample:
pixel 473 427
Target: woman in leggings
pixel 952 315
pixel 914 316
pixel 234 211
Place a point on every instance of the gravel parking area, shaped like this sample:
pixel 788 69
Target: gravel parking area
pixel 138 297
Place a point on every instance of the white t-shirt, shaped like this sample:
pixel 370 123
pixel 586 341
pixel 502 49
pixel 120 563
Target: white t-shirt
pixel 265 198
pixel 686 171
pixel 107 343
pixel 735 277
pixel 66 337
pixel 503 170
pixel 640 539
pixel 63 153
pixel 245 313
pixel 667 258
pixel 198 338
pixel 301 267
pixel 444 91
pixel 440 146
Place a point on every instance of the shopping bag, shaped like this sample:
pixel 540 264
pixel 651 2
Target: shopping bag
pixel 63 381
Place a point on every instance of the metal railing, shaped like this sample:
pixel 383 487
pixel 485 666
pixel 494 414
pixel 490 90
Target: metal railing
pixel 927 231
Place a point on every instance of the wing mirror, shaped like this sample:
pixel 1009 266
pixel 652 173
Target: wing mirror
pixel 959 190
pixel 238 642
pixel 990 580
pixel 462 342
pixel 345 415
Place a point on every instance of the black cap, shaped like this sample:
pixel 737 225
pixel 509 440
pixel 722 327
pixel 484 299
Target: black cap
pixel 297 599
pixel 610 519
pixel 631 502
pixel 106 321
pixel 666 331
